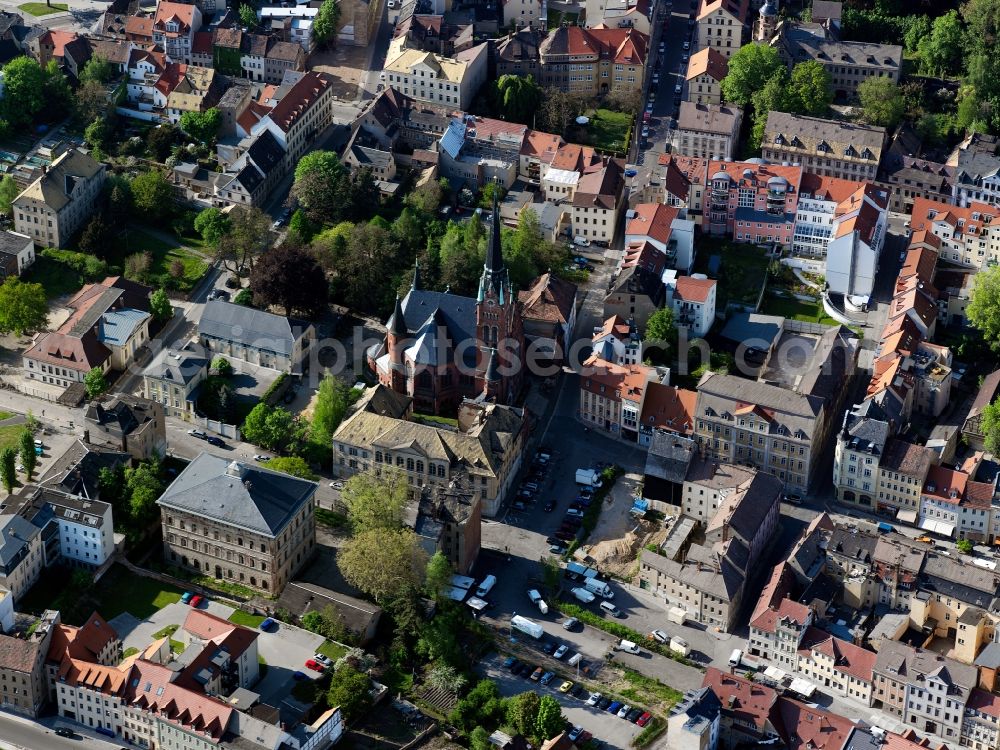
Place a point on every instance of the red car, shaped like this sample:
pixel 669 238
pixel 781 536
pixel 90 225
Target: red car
pixel 644 719
pixel 196 601
pixel 314 665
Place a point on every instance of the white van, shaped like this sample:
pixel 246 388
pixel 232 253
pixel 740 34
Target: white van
pixel 484 588
pixel 629 646
pixel 735 658
pixel 610 608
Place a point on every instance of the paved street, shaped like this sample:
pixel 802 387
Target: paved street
pixel 17 733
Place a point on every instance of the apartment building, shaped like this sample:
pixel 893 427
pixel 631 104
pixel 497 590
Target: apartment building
pixel 780 424
pixel 548 309
pixel 483 454
pixel 23 688
pixel 594 61
pixel 908 175
pixel 705 71
pixel 17 252
pixel 667 229
pixel 845 150
pixel 611 396
pixel 632 14
pixel 721 25
pixel 238 522
pixel 860 446
pixel 694 721
pixel 127 423
pixel 598 203
pixel 521 13
pixel 923 688
pixel 901 476
pixel 981 723
pixel 636 291
pixel 428 77
pixel 617 341
pixel 848 63
pixel 841 666
pixel 977 170
pixel 76 531
pixel 751 202
pixel 172 379
pixel 692 298
pixel 53 208
pixel 859 228
pixel 300 116
pixel 22 555
pixel 969 236
pixel 707 131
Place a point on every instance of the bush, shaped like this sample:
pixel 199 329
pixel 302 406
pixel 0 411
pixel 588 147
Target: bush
pixel 88 266
pixel 650 732
pixel 273 388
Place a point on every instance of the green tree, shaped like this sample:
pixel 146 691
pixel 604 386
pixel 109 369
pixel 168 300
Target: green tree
pixel 248 16
pixel 480 739
pixel 991 427
pixel 293 465
pixel 96 69
pixel 222 366
pixel 332 400
pixel 750 67
pixel 95 382
pixel 144 486
pixel 550 720
pixel 446 677
pixel 202 126
pixel 984 306
pixel 773 97
pixel 24 92
pixel 26 448
pixel 243 297
pixel 290 277
pixel 349 690
pixel 95 236
pixel 324 163
pixel 439 573
pixel 426 198
pixel 23 307
pixel 269 427
pixel 551 572
pixel 212 225
pixel 111 487
pixel 490 191
pixel 160 307
pixel 942 52
pixel 964 546
pixel 161 140
pixel 482 706
pixel 58 94
pixel 247 239
pixel 96 133
pixel 919 28
pixel 383 562
pixel 376 499
pixel 8 192
pixel 881 102
pixel 8 468
pixel 326 23
pixel 152 194
pixel 519 98
pixel 522 712
pixel 982 62
pixel 811 89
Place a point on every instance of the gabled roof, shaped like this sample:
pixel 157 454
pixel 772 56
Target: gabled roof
pixel 691 289
pixel 847 658
pixel 139 26
pixel 241 495
pixel 299 99
pixel 548 298
pixel 231 322
pixel 653 220
pixel 182 13
pixel 668 408
pixel 601 189
pixel 708 60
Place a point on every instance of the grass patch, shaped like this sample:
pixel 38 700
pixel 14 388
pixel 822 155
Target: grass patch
pixel 177 647
pixel 5 415
pixel 649 689
pixel 246 619
pixel 10 436
pixel 130 651
pixel 137 240
pixel 649 732
pixel 332 519
pixel 217 584
pixel 58 279
pixel 332 650
pixel 398 681
pixel 123 591
pixel 607 131
pixel 741 272
pixel 434 420
pixel 165 632
pixel 41 9
pixel 797 309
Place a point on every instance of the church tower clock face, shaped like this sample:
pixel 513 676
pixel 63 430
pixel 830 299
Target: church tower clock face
pixel 491 303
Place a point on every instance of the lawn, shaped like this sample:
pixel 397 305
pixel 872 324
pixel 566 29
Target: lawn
pixel 607 131
pixel 741 269
pixel 137 240
pixel 246 619
pixel 10 435
pixel 796 309
pixel 57 278
pixel 5 415
pixel 332 519
pixel 434 420
pixel 120 590
pixel 41 9
pixel 332 650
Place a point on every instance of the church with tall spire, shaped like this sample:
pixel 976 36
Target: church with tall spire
pixel 441 348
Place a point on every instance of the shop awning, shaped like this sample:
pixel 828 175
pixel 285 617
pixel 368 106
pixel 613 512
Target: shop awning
pixel 938 527
pixel 907 516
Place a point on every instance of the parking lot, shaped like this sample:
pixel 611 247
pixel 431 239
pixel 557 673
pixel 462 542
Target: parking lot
pixel 615 732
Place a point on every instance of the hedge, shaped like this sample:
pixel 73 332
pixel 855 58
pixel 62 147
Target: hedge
pixel 650 732
pixel 273 388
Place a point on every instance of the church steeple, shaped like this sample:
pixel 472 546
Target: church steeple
pixel 495 277
pixel 397 324
pixel 416 276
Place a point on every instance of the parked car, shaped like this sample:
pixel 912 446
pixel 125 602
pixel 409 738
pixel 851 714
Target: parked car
pixel 196 601
pixel 644 719
pixel 186 597
pixel 570 623
pixel 314 665
pixel 547 678
pixel 566 686
pixel 267 624
pixel 549 647
pixel 261 458
pixel 299 676
pixel 623 711
pixel 594 699
pixel 634 714
pixel 603 704
pixel 660 636
pixel 336 485
pixel 326 661
pixel 537 674
pixel 574 733
pixel 574 512
pixel 64 732
pixel 613 707
pixel 549 507
pixel 560 652
pixel 217 442
pixel 198 434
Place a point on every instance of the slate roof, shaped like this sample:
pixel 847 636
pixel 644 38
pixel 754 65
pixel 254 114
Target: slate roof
pixel 179 367
pixel 230 322
pixel 117 326
pixel 242 495
pixel 15 535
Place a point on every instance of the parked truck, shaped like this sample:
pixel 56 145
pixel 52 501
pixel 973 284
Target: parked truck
pixel 583 595
pixel 677 615
pixel 679 646
pixel 588 478
pixel 529 627
pixel 537 600
pixel 581 570
pixel 599 587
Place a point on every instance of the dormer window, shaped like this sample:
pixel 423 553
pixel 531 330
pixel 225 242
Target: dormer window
pixel 172 26
pixel 780 139
pixel 867 154
pixel 796 143
pixel 823 147
pixel 849 151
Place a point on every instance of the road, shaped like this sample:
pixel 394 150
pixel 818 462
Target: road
pixel 17 733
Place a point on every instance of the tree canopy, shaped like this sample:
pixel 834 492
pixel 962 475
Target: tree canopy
pixel 810 88
pixel 376 499
pixel 23 307
pixel 202 126
pixel 160 307
pixel 95 382
pixel 152 194
pixel 327 22
pixel 383 562
pixel 518 98
pixel 212 225
pixel 881 102
pixel 750 67
pixel 291 278
pixel 984 306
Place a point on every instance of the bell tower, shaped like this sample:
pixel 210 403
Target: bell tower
pixel 396 335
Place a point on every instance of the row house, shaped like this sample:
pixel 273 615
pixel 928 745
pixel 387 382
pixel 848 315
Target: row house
pixel 173 29
pixel 751 202
pixel 611 396
pixel 981 723
pixel 633 14
pixel 692 298
pixel 705 71
pixel 598 203
pixel 969 236
pixel 900 479
pixel 977 170
pixel 721 24
pixel 837 665
pixel 618 341
pixel 908 175
pixel 449 81
pixel 953 504
pixel 667 411
pixel 636 291
pixel 431 33
pixel 860 446
pixel 708 131
pixel 972 429
pixel 300 116
pixel 595 61
pixel 846 150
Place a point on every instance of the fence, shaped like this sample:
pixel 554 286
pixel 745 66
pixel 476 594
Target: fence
pixel 230 431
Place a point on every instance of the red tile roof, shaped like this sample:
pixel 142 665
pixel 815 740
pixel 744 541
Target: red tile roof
pixel 150 687
pixel 947 485
pixel 746 701
pixel 540 145
pixel 691 289
pixel 831 189
pixel 617 380
pixel 299 99
pixel 920 262
pixel 84 643
pixel 923 209
pixel 987 703
pixel 57 40
pixel 669 408
pixel 808 728
pixel 652 220
pixel 787 609
pixel 614 326
pixel 847 658
pixel 708 60
pixel 183 13
pixel 139 26
pixel 202 44
pixel 549 299
pixel 575 158
pixel 778 588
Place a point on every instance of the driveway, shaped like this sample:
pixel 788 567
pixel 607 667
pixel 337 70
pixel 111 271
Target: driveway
pixel 139 633
pixel 617 733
